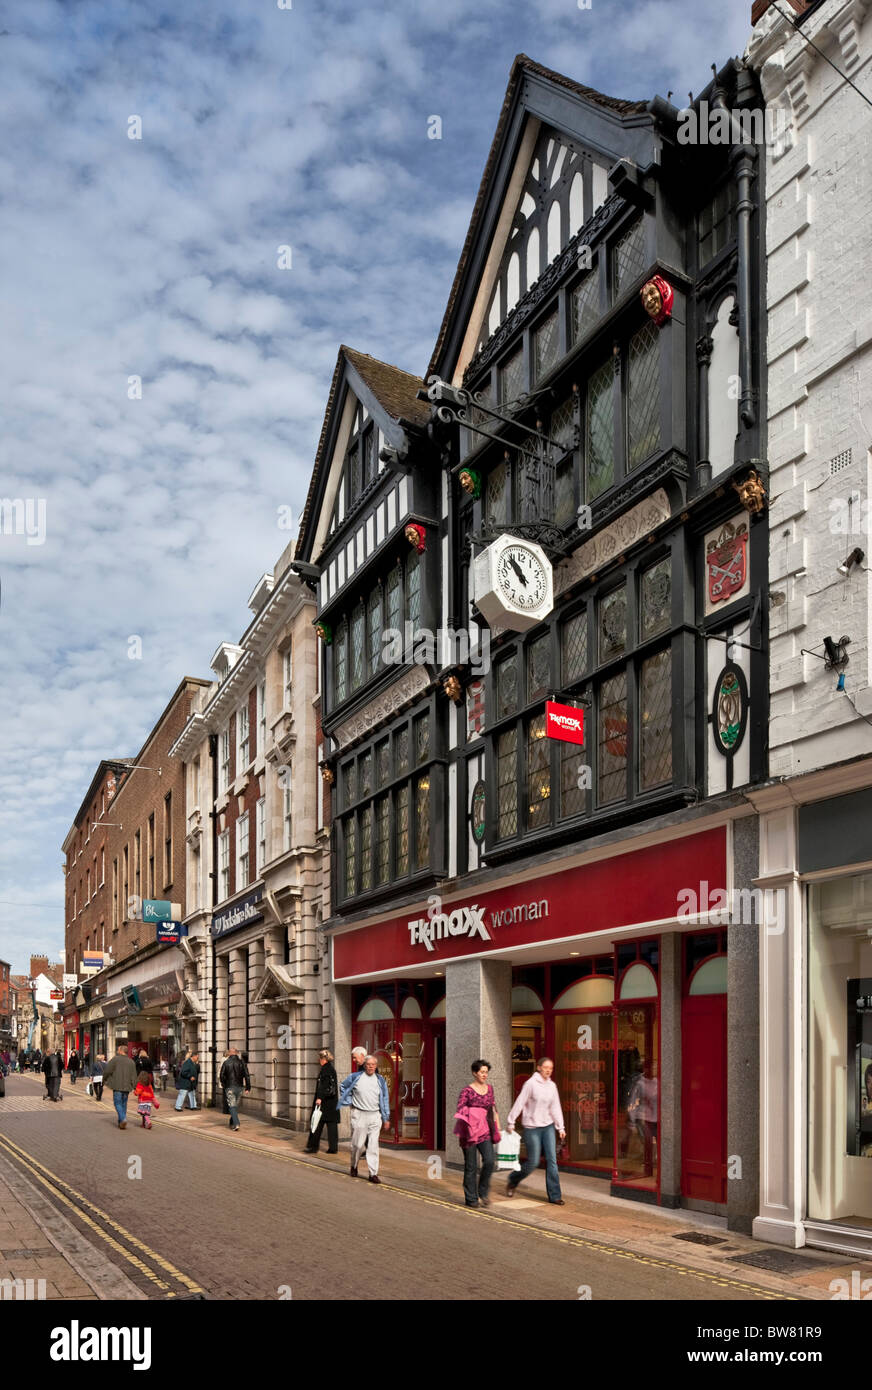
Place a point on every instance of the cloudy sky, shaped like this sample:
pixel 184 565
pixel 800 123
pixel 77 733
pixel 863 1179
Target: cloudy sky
pixel 157 258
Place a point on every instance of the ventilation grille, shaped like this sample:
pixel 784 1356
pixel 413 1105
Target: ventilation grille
pixel 840 462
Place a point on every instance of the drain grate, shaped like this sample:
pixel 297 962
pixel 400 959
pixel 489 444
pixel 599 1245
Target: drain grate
pixel 778 1261
pixel 698 1238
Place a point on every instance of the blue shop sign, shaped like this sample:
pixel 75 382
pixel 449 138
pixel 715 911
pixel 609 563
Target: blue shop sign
pixel 241 914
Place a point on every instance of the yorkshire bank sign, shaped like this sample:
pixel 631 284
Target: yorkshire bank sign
pixel 639 885
pixel 470 922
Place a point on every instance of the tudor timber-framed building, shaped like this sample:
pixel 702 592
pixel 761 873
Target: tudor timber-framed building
pixel 495 892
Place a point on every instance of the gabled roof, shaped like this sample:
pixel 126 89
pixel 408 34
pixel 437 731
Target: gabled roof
pixel 394 390
pixel 521 67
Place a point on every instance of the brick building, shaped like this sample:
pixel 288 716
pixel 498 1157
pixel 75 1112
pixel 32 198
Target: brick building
pixel 127 839
pixel 6 1010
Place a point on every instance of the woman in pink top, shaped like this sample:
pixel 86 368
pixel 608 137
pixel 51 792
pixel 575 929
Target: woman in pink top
pixel 538 1104
pixel 478 1129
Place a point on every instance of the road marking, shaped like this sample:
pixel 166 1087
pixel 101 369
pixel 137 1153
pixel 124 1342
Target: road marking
pixel 581 1242
pixel 24 1156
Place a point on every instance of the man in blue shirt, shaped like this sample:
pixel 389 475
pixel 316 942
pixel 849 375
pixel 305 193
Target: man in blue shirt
pixel 366 1093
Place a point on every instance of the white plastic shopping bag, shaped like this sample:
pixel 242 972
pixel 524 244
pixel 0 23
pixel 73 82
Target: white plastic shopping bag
pixel 315 1120
pixel 508 1150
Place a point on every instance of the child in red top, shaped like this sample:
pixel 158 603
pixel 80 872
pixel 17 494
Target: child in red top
pixel 145 1091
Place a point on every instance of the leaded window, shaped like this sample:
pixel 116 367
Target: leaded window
pixel 496 497
pixel 573 764
pixel 374 630
pixel 422 822
pixel 655 714
pixel 643 395
pixel 382 839
pixel 422 738
pixel 340 661
pixel 349 783
pixel 366 849
pixel 401 750
pixel 538 668
pixel 395 599
pixel 402 831
pixel 383 763
pixel 612 738
pixel 585 306
pixel 413 589
pixel 717 224
pixel 656 598
pixel 573 644
pixel 366 775
pixel 628 258
pixel 511 377
pixel 538 774
pixel 600 432
pixel 545 345
pixel 613 624
pixel 357 647
pixel 564 491
pixel 350 856
pixel 507 784
pixel 507 686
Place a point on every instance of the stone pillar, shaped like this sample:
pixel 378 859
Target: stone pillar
pixel 342 1042
pixel 743 1041
pixel 670 1069
pixel 219 1041
pixel 478 1012
pixel 256 1028
pixel 238 1001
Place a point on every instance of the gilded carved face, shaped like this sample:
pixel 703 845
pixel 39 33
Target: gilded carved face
pixel 652 299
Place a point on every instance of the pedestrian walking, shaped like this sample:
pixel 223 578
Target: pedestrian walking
pixel 143 1062
pixel 538 1105
pixel 73 1066
pixel 358 1057
pixel 366 1093
pixel 86 1063
pixel 164 1073
pixel 97 1068
pixel 36 1060
pixel 234 1078
pixel 53 1070
pixel 325 1105
pixel 120 1076
pixel 144 1092
pixel 478 1129
pixel 225 1108
pixel 189 1073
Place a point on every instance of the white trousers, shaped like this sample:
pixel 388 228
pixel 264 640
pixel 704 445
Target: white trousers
pixel 365 1128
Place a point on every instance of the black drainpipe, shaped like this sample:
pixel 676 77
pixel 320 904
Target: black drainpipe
pixel 213 755
pixel 744 173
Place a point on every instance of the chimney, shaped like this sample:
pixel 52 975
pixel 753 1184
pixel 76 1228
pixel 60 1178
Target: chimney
pixel 759 8
pixel 38 966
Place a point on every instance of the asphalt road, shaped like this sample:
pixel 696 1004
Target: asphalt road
pixel 198 1216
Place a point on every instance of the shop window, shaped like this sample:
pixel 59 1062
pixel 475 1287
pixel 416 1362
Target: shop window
pixel 438 1010
pixel 525 1000
pixel 592 993
pixel 639 982
pixel 711 977
pixel 699 946
pixel 411 1008
pixel 373 1010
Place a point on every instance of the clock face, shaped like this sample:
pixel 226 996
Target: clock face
pixel 521 577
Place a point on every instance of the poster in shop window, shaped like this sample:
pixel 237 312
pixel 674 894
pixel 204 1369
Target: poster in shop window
pixel 859 1068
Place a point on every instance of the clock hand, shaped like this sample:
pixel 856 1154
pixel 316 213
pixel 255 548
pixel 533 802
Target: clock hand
pixel 518 571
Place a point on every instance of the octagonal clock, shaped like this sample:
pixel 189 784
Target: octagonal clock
pixel 513 583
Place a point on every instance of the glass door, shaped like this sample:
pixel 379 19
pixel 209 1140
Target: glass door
pixel 637 1085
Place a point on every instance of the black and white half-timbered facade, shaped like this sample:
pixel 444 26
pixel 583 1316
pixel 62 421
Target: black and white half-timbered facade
pixel 542 588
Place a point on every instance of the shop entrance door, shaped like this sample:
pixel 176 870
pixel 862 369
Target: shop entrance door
pixel 704 1097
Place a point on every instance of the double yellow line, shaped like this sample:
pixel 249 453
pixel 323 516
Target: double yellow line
pixel 78 1203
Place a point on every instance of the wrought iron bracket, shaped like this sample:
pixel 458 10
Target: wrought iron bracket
pixel 552 540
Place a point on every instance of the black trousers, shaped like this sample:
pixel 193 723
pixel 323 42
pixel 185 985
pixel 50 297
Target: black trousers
pixel 314 1139
pixel 53 1086
pixel 98 1089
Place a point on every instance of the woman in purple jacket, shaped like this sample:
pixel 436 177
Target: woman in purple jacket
pixel 478 1129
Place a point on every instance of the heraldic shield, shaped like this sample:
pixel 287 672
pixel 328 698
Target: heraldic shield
pixel 727 563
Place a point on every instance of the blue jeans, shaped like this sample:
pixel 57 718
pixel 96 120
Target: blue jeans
pixel 477 1185
pixel 119 1100
pixel 234 1096
pixel 180 1100
pixel 537 1141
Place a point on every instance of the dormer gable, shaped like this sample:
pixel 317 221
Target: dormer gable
pixel 224 659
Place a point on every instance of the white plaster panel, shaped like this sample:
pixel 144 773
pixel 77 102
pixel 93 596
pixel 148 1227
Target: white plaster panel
pixel 380 524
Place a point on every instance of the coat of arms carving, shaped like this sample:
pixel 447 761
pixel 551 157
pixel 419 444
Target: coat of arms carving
pixel 727 562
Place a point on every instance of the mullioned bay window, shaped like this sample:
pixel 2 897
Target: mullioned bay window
pixel 358 637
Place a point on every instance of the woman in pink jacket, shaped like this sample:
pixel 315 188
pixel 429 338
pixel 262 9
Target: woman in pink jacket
pixel 538 1104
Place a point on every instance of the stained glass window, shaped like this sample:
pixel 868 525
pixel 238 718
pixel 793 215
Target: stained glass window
pixel 349 783
pixel 402 830
pixel 366 775
pixel 422 822
pixel 512 378
pixel 350 856
pixel 395 599
pixel 613 624
pixel 545 345
pixel 340 662
pixel 600 432
pixel 357 638
pixel 655 710
pixel 422 738
pixel 374 630
pixel 656 605
pixel 413 589
pixel 538 668
pixel 585 306
pixel 628 258
pixel 401 750
pixel 573 798
pixel 383 763
pixel 612 739
pixel 382 840
pixel 496 497
pixel 507 783
pixel 538 774
pixel 643 395
pixel 573 643
pixel 366 849
pixel 507 686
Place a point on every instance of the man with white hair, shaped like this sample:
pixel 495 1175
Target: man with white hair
pixel 358 1057
pixel 366 1093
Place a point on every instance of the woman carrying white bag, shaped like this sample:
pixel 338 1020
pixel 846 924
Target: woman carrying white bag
pixel 538 1104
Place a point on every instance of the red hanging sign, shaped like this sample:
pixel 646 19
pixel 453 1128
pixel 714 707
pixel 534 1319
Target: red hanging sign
pixel 564 722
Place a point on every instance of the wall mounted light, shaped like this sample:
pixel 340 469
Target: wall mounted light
pixel 856 557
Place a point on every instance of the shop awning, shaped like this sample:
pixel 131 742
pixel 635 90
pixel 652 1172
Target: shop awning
pixel 278 988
